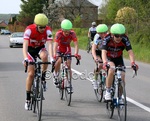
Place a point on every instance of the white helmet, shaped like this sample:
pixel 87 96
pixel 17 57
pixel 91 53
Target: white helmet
pixel 93 23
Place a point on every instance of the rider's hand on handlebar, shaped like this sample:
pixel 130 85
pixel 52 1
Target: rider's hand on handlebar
pixel 78 56
pixel 134 66
pixel 25 62
pixel 105 66
pixel 96 61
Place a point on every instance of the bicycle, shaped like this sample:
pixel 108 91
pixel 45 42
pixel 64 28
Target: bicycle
pixel 64 79
pixel 100 77
pixel 89 45
pixel 118 92
pixel 37 96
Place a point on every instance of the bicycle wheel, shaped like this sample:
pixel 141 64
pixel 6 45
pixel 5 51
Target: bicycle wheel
pixel 110 108
pixel 122 105
pixel 88 46
pixel 39 100
pixel 33 97
pixel 61 88
pixel 99 91
pixel 68 88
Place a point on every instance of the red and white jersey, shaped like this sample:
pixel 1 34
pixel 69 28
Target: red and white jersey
pixel 64 41
pixel 35 38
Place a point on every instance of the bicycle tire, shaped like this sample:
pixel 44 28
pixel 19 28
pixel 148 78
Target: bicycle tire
pixel 68 94
pixel 110 108
pixel 99 92
pixel 33 97
pixel 61 89
pixel 122 108
pixel 88 46
pixel 39 100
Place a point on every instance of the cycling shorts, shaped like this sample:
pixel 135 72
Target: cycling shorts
pixel 33 53
pixel 117 61
pixel 99 53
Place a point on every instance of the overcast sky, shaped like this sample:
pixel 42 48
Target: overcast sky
pixel 10 6
pixel 13 6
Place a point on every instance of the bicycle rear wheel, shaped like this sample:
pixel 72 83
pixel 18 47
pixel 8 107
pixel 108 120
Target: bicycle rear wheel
pixel 122 106
pixel 68 88
pixel 88 46
pixel 110 108
pixel 39 100
pixel 99 92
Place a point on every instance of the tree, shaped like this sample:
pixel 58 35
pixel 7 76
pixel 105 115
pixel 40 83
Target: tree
pixel 29 8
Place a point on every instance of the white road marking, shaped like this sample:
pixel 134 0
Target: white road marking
pixel 128 99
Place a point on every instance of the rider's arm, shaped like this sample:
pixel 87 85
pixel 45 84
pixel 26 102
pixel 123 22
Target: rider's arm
pixel 50 48
pixel 76 47
pixel 93 51
pixel 55 48
pixel 131 56
pixel 104 56
pixel 25 49
pixel 89 34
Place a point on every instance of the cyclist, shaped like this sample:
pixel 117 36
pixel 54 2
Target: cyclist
pixel 112 53
pixel 35 37
pixel 63 38
pixel 92 31
pixel 101 30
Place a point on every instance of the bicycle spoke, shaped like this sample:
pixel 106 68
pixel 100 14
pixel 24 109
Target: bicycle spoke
pixel 122 106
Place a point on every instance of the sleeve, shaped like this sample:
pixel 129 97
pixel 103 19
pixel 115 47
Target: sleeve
pixel 127 43
pixel 27 34
pixel 74 37
pixel 57 37
pixel 49 35
pixel 105 42
pixel 96 39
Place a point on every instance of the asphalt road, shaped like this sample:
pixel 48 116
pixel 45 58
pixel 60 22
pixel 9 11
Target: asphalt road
pixel 84 106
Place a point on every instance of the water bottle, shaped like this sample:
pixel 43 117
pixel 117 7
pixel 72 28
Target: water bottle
pixel 115 101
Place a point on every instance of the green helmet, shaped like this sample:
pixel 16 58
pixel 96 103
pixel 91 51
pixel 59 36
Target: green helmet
pixel 41 19
pixel 101 28
pixel 117 29
pixel 66 24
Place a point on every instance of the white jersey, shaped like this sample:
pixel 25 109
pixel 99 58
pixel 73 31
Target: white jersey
pixel 98 41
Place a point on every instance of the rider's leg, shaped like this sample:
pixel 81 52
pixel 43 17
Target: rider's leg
pixel 29 81
pixel 44 57
pixel 109 81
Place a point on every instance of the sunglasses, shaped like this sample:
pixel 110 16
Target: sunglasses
pixel 118 35
pixel 66 31
pixel 41 27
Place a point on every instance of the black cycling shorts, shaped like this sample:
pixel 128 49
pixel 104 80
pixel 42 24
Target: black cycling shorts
pixel 34 52
pixel 117 61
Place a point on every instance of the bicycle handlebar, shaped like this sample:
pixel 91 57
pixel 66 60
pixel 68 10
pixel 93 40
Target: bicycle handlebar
pixel 64 56
pixel 121 68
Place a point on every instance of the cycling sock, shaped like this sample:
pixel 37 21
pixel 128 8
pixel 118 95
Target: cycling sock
pixel 28 96
pixel 108 89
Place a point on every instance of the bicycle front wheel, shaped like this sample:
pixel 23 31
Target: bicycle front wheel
pixel 122 103
pixel 110 108
pixel 68 88
pixel 61 88
pixel 39 100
